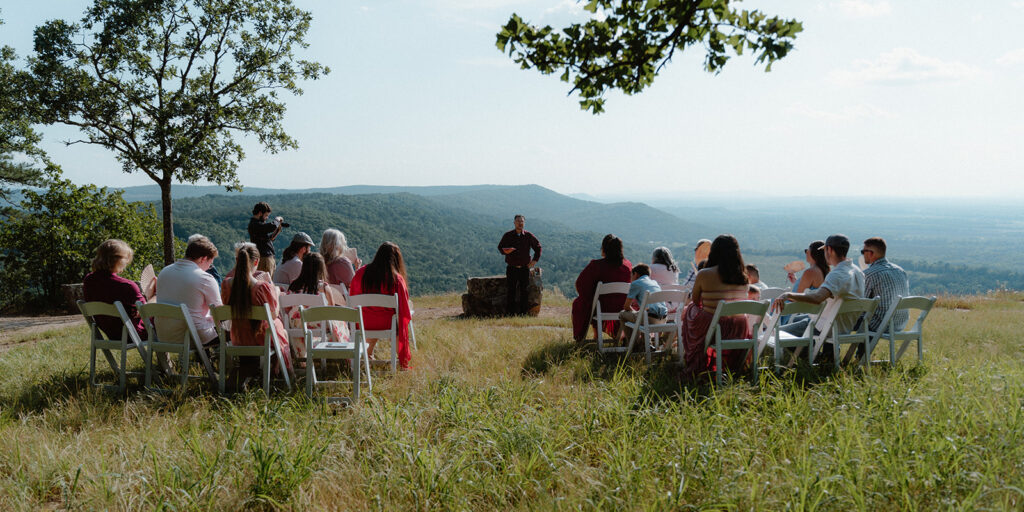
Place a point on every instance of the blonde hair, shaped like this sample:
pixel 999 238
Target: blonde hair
pixel 112 256
pixel 332 244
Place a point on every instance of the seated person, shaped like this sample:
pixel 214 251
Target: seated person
pixel 291 260
pixel 844 281
pixel 754 277
pixel 104 285
pixel 613 267
pixel 664 269
pixel 884 280
pixel 700 253
pixel 242 292
pixel 186 282
pixel 311 282
pixel 386 275
pixel 753 292
pixel 340 270
pixel 723 278
pixel 640 286
pixel 817 269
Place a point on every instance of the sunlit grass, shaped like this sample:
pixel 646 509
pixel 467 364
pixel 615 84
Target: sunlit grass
pixel 508 413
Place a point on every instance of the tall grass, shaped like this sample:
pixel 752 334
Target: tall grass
pixel 508 414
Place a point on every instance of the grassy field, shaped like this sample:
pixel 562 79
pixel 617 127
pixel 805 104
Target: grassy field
pixel 507 414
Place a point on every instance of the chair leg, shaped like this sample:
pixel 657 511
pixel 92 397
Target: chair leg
pixel 123 377
pixel 310 375
pixel 148 362
pixel 892 352
pixel 356 377
pixel 92 366
pixel 920 348
pixel 222 370
pixel 266 371
pixel 718 363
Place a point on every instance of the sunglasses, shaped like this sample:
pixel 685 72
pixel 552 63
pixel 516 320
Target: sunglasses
pixel 864 251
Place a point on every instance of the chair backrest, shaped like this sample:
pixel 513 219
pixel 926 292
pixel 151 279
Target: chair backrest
pixel 301 299
pixel 258 312
pixel 603 288
pixel 673 287
pixel 739 307
pixel 96 308
pixel 179 312
pixel 374 300
pixel 923 304
pixel 864 307
pixel 666 296
pixel 331 313
pixel 771 293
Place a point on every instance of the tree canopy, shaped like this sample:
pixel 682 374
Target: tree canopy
pixel 626 43
pixel 167 84
pixel 17 138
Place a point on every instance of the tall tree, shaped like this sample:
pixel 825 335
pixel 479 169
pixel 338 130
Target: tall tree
pixel 19 148
pixel 167 84
pixel 626 43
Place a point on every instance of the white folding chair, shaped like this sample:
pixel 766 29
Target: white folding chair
pixel 599 317
pixel 860 335
pixel 673 322
pixel 381 301
pixel 714 336
pixel 190 344
pixel 270 346
pixel 98 341
pixel 889 331
pixel 778 340
pixel 673 287
pixel 412 331
pixel 282 287
pixel 771 293
pixel 297 334
pixel 322 348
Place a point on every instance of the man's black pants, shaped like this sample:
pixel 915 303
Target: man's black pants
pixel 517 280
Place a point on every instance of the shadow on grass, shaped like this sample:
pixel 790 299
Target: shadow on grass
pixel 662 379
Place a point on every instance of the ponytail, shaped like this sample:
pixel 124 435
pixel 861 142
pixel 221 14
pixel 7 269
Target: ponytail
pixel 241 285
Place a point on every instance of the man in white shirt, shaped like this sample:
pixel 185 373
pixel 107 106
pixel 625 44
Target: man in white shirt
pixel 844 281
pixel 291 260
pixel 186 282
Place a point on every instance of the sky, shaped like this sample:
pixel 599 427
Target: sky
pixel 879 98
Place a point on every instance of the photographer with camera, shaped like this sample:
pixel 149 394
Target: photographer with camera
pixel 262 232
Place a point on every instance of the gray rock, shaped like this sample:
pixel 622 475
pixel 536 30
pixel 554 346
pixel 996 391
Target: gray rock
pixel 486 296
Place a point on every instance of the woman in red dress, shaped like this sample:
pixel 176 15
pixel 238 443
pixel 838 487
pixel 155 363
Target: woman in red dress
pixel 242 292
pixel 386 275
pixel 723 278
pixel 612 267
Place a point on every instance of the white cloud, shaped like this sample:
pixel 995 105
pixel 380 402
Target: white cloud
pixel 863 8
pixel 574 8
pixel 1017 4
pixel 1012 57
pixel 846 114
pixel 902 66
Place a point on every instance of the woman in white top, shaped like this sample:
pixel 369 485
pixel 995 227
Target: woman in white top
pixel 664 269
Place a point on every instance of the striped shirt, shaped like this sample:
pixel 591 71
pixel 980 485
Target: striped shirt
pixel 887 281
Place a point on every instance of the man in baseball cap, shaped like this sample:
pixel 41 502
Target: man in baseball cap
pixel 291 260
pixel 845 281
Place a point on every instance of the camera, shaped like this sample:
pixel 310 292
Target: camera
pixel 285 225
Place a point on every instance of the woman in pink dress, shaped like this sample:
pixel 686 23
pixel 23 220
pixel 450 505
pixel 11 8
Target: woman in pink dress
pixel 612 267
pixel 723 278
pixel 386 275
pixel 242 292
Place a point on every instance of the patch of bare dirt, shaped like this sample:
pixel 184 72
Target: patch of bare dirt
pixel 423 313
pixel 19 326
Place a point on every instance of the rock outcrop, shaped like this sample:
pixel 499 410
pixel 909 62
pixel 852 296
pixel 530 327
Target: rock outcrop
pixel 486 296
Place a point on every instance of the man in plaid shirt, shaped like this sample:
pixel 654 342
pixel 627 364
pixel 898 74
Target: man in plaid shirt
pixel 885 280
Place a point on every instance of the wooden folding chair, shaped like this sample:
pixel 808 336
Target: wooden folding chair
pixel 673 323
pixel 354 349
pixel 190 344
pixel 598 317
pixel 270 346
pixel 889 331
pixel 714 335
pixel 98 341
pixel 381 301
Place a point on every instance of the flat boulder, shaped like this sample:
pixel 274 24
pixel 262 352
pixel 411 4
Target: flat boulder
pixel 485 296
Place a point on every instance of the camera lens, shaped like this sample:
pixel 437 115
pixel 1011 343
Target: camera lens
pixel 285 225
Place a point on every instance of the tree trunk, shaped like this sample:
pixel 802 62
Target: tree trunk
pixel 165 203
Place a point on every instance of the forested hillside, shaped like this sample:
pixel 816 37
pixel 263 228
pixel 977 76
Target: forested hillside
pixel 442 244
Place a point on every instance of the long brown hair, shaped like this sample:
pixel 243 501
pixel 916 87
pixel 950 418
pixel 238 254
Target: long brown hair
pixel 314 272
pixel 725 254
pixel 379 274
pixel 817 250
pixel 246 258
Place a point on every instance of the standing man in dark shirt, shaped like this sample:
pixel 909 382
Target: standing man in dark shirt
pixel 516 245
pixel 262 232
